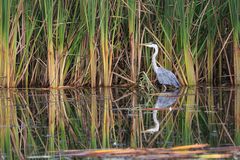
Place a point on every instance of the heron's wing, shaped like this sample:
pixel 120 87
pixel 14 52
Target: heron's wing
pixel 174 79
pixel 162 76
pixel 166 77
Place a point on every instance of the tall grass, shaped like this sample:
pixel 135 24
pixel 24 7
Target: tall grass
pixel 97 42
pixel 106 119
pixel 167 26
pixel 90 14
pixel 186 13
pixel 236 115
pixel 5 26
pixel 51 62
pixel 27 29
pixel 60 32
pixel 94 118
pixel 131 31
pixel 105 48
pixel 210 41
pixel 234 7
pixel 1 45
pixel 187 125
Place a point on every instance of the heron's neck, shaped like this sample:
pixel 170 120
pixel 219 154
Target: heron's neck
pixel 155 120
pixel 154 62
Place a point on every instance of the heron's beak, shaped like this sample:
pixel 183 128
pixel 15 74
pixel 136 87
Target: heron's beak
pixel 143 44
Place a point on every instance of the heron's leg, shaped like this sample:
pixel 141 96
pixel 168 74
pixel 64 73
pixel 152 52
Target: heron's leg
pixel 164 88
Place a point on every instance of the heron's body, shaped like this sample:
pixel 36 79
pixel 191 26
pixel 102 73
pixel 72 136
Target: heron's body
pixel 164 76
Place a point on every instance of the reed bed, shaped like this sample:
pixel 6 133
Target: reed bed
pixel 77 43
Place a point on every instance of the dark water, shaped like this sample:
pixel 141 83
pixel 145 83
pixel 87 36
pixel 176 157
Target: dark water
pixel 38 123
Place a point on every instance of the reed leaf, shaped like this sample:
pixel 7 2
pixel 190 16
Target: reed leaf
pixel 211 23
pixel 60 32
pixel 5 19
pixel 185 15
pixel 168 29
pixel 234 8
pixel 90 16
pixel 104 14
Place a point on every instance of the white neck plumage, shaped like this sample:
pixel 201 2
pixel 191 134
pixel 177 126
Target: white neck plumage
pixel 154 63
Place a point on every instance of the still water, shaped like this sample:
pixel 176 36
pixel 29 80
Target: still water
pixel 35 123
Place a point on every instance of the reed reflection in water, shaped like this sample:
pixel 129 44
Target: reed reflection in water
pixel 41 122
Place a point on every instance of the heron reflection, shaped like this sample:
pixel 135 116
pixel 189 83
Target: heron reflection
pixel 163 101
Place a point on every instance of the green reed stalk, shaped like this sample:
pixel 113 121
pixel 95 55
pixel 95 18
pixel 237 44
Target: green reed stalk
pixel 52 68
pixel 90 15
pixel 14 122
pixel 115 36
pixel 5 41
pixel 104 14
pixel 5 110
pixel 186 17
pixel 12 50
pixel 234 8
pixel 168 28
pixel 1 45
pixel 131 30
pixel 27 31
pixel 211 25
pixel 13 41
pixel 211 117
pixel 190 101
pixel 93 119
pixel 52 107
pixel 74 48
pixel 106 120
pixel 169 129
pixel 210 53
pixel 60 57
pixel 25 115
pixel 9 36
pixel 62 138
pixel 26 37
pixel 135 125
pixel 237 116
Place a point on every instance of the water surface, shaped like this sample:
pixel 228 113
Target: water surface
pixel 37 123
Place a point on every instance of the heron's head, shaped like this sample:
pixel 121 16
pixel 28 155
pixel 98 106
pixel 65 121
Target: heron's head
pixel 150 44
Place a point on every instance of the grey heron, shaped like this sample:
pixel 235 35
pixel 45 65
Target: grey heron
pixel 164 76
